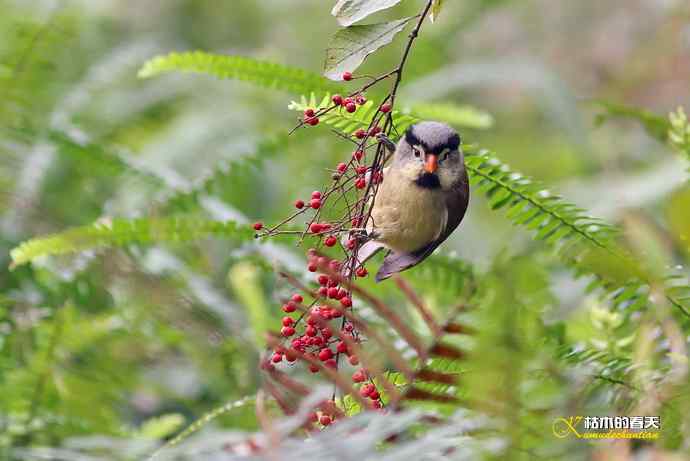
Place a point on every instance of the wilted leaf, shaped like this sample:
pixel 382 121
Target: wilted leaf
pixel 348 12
pixel 435 9
pixel 350 46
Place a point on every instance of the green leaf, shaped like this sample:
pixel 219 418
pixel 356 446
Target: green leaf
pixel 121 232
pixel 349 122
pixel 458 116
pixel 262 73
pixel 348 12
pixel 655 125
pixel 161 426
pixel 435 9
pixel 349 47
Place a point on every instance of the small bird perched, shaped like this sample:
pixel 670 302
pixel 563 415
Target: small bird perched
pixel 422 199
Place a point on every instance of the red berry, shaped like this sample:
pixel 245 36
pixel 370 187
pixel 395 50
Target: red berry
pixel 358 155
pixel 341 347
pixel 325 354
pixel 376 404
pixel 347 101
pixel 365 390
pixel 309 112
pixel 375 130
pixel 337 99
pixel 287 331
pixel 313 121
pixel 316 194
pixel 323 291
pixel 334 265
pixel 290 356
pixel 386 108
pixel 310 331
pixel 325 420
pixel 360 134
pixel 287 321
pixel 347 76
pixel 313 417
pixel 332 283
pixel 346 301
pixel 315 228
pixel 314 368
pixel 289 307
pixel 349 327
pixel 354 360
pixel 361 183
pixel 358 377
pixel 258 225
pixel 359 99
pixel 323 279
pixel 315 203
pixel 330 363
pixel 299 204
pixel 326 333
pixel 374 395
pixel 351 107
pixel 330 241
pixel 277 358
pixel 332 293
pixel 361 169
pixel 311 267
pixel 351 244
pixel 362 272
pixel 297 343
pixel 356 222
pixel 297 298
pixel 342 167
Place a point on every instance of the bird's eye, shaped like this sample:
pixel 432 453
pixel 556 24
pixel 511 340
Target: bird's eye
pixel 444 155
pixel 417 153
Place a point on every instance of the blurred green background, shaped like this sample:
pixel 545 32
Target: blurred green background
pixel 102 342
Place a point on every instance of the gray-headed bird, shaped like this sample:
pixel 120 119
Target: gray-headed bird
pixel 422 199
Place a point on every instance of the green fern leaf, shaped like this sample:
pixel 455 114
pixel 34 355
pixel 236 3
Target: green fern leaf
pixel 458 116
pixel 121 232
pixel 346 122
pixel 262 73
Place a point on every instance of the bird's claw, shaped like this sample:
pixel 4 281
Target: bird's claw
pixel 385 140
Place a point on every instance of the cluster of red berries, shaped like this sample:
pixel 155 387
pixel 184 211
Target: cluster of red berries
pixel 318 333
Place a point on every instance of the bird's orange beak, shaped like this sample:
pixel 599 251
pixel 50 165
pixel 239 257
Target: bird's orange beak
pixel 431 163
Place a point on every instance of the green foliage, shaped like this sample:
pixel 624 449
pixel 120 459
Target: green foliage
pixel 122 232
pixel 349 47
pixel 262 73
pixel 459 116
pixel 348 12
pixel 679 132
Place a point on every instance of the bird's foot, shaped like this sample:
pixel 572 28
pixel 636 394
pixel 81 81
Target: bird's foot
pixel 387 143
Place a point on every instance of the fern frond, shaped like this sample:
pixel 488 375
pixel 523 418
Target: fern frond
pixel 349 122
pixel 529 204
pixel 262 73
pixel 459 116
pixel 121 232
pixel 679 132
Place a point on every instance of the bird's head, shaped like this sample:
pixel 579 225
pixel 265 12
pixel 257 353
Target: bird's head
pixel 429 154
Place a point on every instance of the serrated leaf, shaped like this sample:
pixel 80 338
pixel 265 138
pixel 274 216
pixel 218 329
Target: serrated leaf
pixel 435 9
pixel 349 47
pixel 348 12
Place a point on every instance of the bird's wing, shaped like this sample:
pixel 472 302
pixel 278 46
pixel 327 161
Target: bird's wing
pixel 456 205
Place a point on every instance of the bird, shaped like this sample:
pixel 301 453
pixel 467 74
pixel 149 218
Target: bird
pixel 422 199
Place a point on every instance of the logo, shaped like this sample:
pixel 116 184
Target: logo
pixel 607 427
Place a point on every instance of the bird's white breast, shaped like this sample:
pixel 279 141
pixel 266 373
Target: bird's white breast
pixel 407 217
